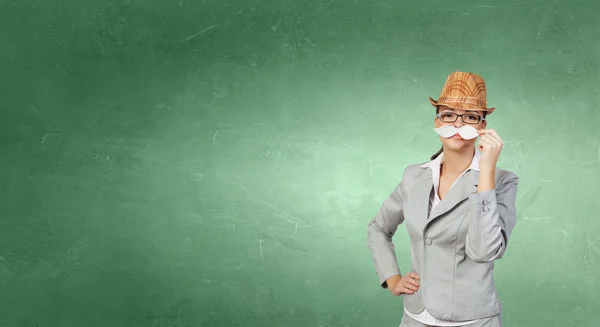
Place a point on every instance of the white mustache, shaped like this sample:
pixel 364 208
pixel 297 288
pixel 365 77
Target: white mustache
pixel 466 132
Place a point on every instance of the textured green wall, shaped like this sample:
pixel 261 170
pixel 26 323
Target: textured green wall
pixel 215 163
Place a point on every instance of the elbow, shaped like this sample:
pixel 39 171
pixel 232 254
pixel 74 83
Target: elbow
pixel 484 251
pixel 487 255
pixel 373 230
pixel 483 258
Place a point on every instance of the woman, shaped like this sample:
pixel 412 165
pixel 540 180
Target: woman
pixel 459 211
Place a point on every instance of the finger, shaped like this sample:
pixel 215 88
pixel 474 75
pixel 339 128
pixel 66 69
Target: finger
pixel 487 140
pixel 489 133
pixel 492 133
pixel 491 140
pixel 413 282
pixel 402 289
pixel 497 139
pixel 414 276
pixel 487 130
pixel 494 136
pixel 484 142
pixel 409 288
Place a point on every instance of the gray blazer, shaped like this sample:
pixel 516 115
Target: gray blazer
pixel 453 250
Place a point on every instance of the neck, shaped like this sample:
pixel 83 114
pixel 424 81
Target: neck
pixel 457 161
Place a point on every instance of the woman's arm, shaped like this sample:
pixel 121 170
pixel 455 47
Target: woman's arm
pixel 493 217
pixel 380 232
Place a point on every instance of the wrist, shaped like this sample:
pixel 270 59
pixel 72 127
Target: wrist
pixel 487 169
pixel 487 178
pixel 392 281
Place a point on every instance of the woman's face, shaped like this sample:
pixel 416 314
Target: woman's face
pixel 456 142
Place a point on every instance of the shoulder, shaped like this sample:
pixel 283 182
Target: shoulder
pixel 414 170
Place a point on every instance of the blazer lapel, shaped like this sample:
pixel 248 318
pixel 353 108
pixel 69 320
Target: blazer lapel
pixel 421 191
pixel 464 187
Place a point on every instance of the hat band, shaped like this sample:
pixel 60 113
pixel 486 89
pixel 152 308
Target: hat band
pixel 467 100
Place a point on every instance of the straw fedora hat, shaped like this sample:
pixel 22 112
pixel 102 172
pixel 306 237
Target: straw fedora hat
pixel 464 91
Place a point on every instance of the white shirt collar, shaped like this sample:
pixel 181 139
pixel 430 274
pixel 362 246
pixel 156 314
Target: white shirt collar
pixel 440 159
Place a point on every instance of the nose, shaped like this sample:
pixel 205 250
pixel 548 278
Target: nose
pixel 458 123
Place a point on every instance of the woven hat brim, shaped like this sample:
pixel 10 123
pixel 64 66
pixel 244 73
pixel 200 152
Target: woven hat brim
pixel 461 106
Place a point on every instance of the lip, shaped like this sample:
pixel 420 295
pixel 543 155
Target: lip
pixel 456 137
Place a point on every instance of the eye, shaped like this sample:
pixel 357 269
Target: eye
pixel 447 114
pixel 473 117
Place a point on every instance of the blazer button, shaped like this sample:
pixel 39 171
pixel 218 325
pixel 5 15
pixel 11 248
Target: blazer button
pixel 428 241
pixel 485 202
pixel 486 209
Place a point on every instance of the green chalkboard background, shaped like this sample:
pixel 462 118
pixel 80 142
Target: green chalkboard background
pixel 215 163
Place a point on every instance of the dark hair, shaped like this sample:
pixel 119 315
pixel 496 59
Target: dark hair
pixel 437 154
pixel 437 110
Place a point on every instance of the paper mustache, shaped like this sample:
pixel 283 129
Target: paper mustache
pixel 466 132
